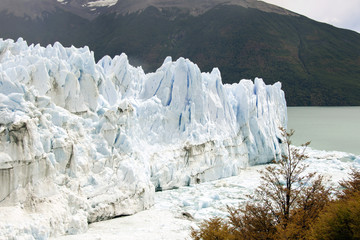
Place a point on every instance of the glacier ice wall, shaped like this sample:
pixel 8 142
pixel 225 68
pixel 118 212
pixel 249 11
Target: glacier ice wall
pixel 82 141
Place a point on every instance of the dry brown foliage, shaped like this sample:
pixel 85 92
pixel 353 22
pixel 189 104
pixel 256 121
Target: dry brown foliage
pixel 213 229
pixel 283 206
pixel 341 218
pixel 350 186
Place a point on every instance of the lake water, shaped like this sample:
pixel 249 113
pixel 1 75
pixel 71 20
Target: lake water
pixel 328 128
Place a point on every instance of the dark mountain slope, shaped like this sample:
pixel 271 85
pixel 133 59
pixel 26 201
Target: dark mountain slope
pixel 318 64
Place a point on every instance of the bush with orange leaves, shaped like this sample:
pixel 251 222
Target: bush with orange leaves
pixel 341 218
pixel 282 207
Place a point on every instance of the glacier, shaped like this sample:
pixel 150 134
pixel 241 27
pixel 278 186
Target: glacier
pixel 83 141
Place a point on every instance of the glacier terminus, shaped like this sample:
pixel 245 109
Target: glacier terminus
pixel 83 141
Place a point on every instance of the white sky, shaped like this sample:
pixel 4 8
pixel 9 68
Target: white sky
pixel 340 13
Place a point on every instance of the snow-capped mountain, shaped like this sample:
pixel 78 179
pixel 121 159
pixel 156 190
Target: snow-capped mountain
pixel 38 9
pixel 83 141
pixel 92 8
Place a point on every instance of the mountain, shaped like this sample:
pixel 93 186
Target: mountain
pixel 83 141
pixel 317 64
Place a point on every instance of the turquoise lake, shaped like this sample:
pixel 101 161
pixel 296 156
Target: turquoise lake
pixel 328 128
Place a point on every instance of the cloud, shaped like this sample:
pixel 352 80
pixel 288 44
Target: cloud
pixel 340 13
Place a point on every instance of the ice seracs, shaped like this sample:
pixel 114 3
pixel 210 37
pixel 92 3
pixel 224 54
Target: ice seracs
pixel 83 141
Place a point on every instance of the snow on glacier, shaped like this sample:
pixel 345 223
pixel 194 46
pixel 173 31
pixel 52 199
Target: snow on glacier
pixel 83 141
pixel 102 3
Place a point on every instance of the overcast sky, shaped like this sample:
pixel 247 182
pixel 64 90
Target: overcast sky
pixel 340 13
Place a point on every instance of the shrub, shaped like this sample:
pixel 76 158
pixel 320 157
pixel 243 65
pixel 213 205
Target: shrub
pixel 351 186
pixel 341 218
pixel 213 229
pixel 284 205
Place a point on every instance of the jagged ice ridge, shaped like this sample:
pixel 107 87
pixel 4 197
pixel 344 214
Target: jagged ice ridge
pixel 82 141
